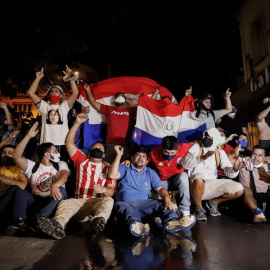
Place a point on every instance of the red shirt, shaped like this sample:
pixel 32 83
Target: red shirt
pixel 227 148
pixel 120 121
pixel 166 168
pixel 88 174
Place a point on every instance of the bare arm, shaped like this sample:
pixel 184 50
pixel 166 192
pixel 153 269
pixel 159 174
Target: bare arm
pixel 113 172
pixel 21 182
pixel 91 98
pixel 70 138
pixel 72 98
pixel 18 157
pixel 261 116
pixel 154 96
pixel 9 119
pixel 228 103
pixel 33 88
pixel 59 180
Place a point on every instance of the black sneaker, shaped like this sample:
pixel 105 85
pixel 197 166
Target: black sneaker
pixel 96 226
pixel 18 226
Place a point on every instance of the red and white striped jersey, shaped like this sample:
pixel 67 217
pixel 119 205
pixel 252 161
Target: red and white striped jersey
pixel 88 174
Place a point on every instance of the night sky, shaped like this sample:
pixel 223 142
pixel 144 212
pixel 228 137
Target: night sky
pixel 174 43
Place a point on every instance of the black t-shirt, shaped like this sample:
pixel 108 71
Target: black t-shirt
pixel 231 126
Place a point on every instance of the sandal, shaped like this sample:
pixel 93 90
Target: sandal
pixel 51 227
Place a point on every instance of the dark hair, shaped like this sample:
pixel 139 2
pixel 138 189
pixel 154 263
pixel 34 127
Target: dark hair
pixel 98 142
pixel 42 149
pixel 48 121
pixel 243 133
pixel 5 146
pixel 170 143
pixel 140 149
pixel 257 146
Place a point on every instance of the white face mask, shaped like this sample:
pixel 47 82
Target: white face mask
pixel 231 114
pixel 258 165
pixel 120 99
pixel 55 157
pixel 222 140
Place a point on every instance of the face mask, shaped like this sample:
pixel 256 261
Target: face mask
pixel 207 142
pixel 10 128
pixel 54 99
pixel 120 99
pixel 243 143
pixel 7 161
pixel 55 157
pixel 169 157
pixel 96 153
pixel 222 140
pixel 231 114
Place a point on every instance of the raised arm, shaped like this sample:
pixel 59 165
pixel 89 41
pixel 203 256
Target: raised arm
pixel 261 116
pixel 18 152
pixel 70 138
pixel 72 98
pixel 155 94
pixel 33 88
pixel 9 119
pixel 91 98
pixel 228 103
pixel 113 172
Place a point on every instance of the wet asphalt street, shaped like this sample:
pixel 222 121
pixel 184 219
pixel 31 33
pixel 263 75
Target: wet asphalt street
pixel 226 242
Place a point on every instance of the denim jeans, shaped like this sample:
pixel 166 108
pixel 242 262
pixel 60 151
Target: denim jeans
pixel 130 212
pixel 43 206
pixel 180 182
pixel 7 198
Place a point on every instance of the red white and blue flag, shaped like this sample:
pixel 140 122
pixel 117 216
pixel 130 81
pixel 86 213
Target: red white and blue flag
pixel 104 92
pixel 159 118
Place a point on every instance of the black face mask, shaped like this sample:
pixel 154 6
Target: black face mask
pixel 207 142
pixel 96 153
pixel 169 157
pixel 7 161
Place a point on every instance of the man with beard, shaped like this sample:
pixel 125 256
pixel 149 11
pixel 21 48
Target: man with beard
pixel 94 190
pixel 133 206
pixel 207 114
pixel 11 178
pixel 202 162
pixel 263 122
pixel 47 179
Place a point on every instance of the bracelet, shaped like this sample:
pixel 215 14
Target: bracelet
pixel 37 103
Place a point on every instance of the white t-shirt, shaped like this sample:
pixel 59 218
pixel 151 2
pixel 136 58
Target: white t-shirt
pixel 54 119
pixel 42 179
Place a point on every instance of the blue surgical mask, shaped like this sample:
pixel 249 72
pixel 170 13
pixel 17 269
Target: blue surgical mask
pixel 243 143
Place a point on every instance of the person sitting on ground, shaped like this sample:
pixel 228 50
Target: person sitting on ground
pixel 166 159
pixel 47 179
pixel 93 198
pixel 54 132
pixel 205 112
pixel 202 162
pixel 256 181
pixel 11 179
pixel 263 124
pixel 133 205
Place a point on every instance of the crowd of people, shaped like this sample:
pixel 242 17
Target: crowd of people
pixel 172 185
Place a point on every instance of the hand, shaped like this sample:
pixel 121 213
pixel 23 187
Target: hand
pixel 98 188
pixel 228 93
pixel 14 134
pixel 40 74
pixel 81 118
pixel 238 165
pixel 55 192
pixel 188 91
pixel 3 104
pixel 231 137
pixel 126 163
pixel 119 149
pixel 86 109
pixel 68 70
pixel 86 87
pixel 33 130
pixel 168 204
pixel 266 100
